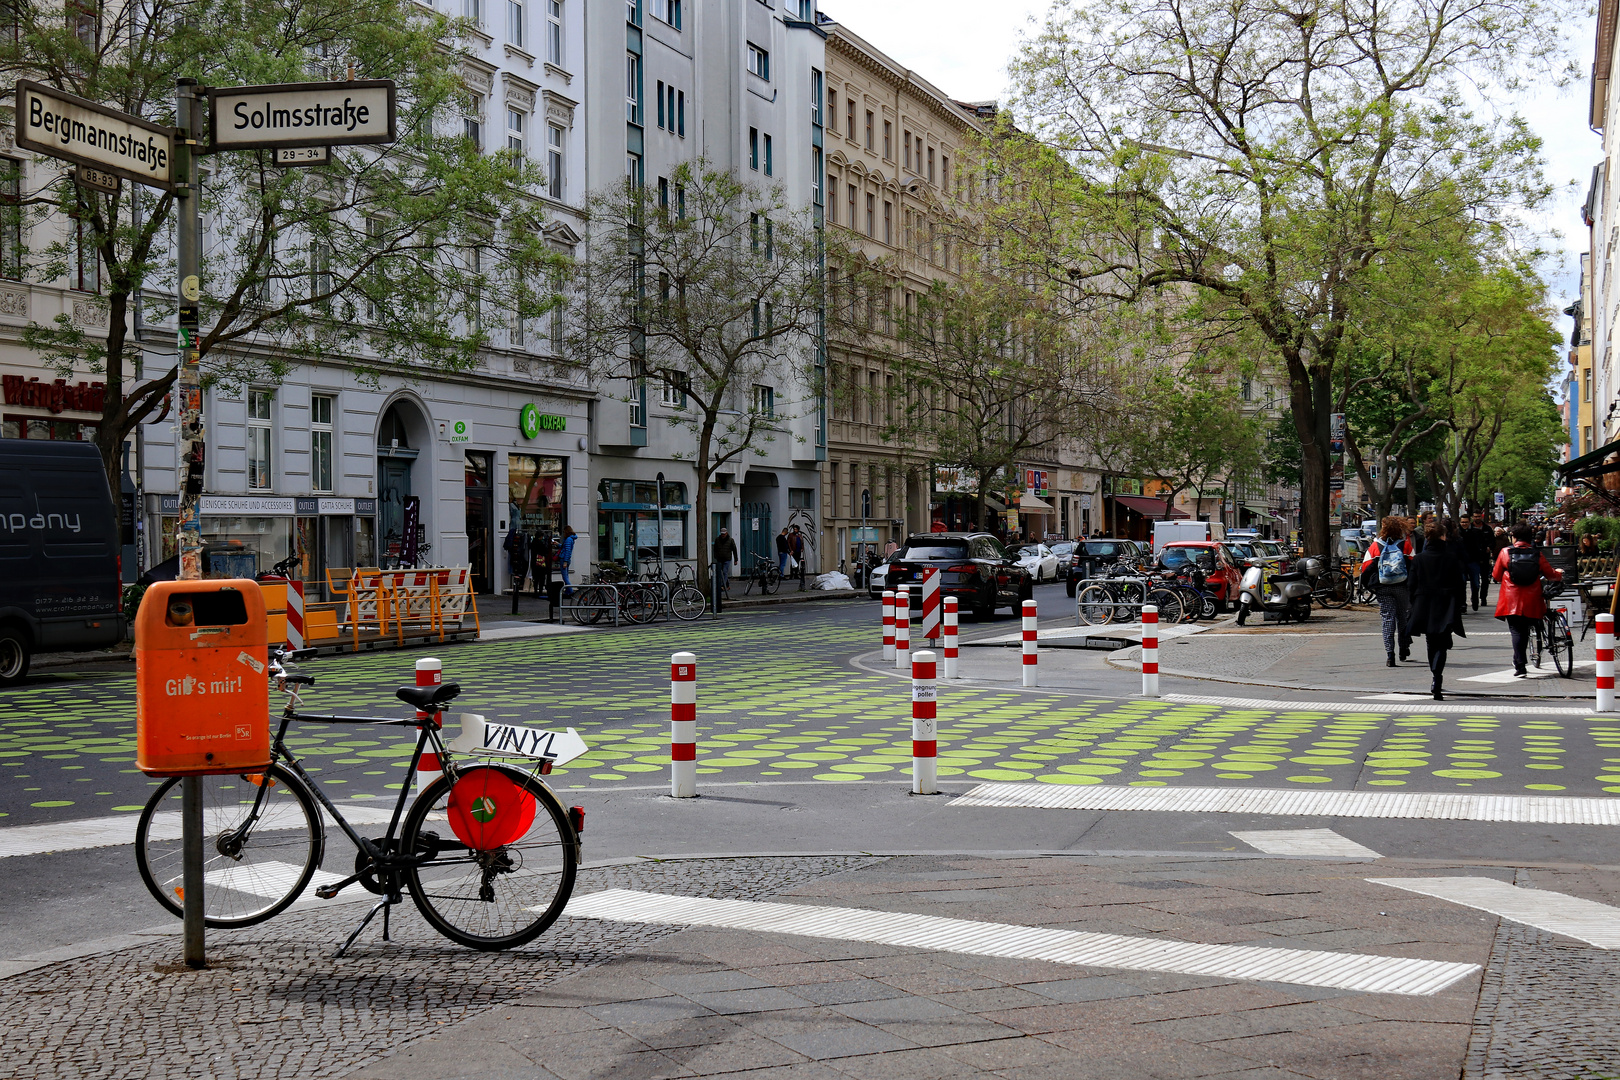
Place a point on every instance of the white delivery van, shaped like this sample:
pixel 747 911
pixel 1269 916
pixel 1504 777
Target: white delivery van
pixel 1169 532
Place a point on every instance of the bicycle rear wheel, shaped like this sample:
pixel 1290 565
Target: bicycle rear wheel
pixel 687 603
pixel 638 603
pixel 1561 643
pixel 1333 590
pixel 1095 605
pixel 770 579
pixel 1168 603
pixel 253 867
pixel 588 603
pixel 504 857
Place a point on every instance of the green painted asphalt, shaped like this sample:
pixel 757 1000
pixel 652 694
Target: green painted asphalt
pixel 778 700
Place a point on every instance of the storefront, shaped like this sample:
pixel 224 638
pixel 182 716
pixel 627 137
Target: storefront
pixel 244 536
pixel 639 521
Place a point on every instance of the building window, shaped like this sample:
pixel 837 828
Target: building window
pixel 870 120
pixel 11 247
pixel 514 132
pixel 258 440
pixel 669 11
pixel 1586 440
pixel 632 169
pixel 832 108
pixel 905 142
pixel 815 175
pixel 514 22
pixel 554 160
pixel 659 94
pixel 888 140
pixel 1247 388
pixel 944 172
pixel 474 10
pixel 759 61
pixel 556 315
pixel 801 498
pixel 674 394
pixel 554 31
pixel 632 88
pixel 680 113
pixel 632 12
pixel 765 401
pixel 815 97
pixel 321 409
pixel 768 158
pixel 871 215
pixel 849 118
pixel 930 164
pixel 320 272
pixel 663 194
pixel 852 223
pixel 888 222
pixel 472 125
pixel 753 148
pixel 1586 384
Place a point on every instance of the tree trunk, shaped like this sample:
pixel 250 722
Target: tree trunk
pixel 114 417
pixel 1310 395
pixel 705 547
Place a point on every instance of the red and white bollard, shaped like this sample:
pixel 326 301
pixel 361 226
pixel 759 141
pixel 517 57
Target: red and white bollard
pixel 924 735
pixel 1150 651
pixel 902 629
pixel 1605 663
pixel 888 624
pixel 683 725
pixel 950 637
pixel 429 672
pixel 1030 678
pixel 295 614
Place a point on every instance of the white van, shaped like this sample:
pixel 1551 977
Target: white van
pixel 1169 532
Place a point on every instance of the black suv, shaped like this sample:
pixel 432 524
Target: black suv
pixel 973 567
pixel 1091 555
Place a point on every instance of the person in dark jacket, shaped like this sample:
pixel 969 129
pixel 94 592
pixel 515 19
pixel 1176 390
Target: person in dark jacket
pixel 1439 595
pixel 1522 606
pixel 1476 542
pixel 725 553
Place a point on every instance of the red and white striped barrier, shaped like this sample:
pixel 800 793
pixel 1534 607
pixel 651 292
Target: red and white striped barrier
pixel 429 672
pixel 924 733
pixel 950 637
pixel 683 725
pixel 1605 663
pixel 1150 651
pixel 1030 678
pixel 888 624
pixel 295 614
pixel 902 628
pixel 930 604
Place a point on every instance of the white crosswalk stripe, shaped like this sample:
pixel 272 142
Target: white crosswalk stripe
pixel 1378 706
pixel 117 830
pixel 269 879
pixel 1305 842
pixel 1557 913
pixel 1344 971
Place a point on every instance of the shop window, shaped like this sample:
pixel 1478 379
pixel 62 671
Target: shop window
pixel 11 245
pixel 536 494
pixel 258 440
pixel 39 427
pixel 628 522
pixel 322 407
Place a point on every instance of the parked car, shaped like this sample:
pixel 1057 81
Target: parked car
pixel 1090 555
pixel 1214 558
pixel 974 568
pixel 1271 552
pixel 877 581
pixel 1039 560
pixel 1064 550
pixel 59 553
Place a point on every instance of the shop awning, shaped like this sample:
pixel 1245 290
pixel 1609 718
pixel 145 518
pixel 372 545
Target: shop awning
pixel 1149 507
pixel 1259 511
pixel 1034 504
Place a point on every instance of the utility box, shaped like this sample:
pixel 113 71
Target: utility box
pixel 201 701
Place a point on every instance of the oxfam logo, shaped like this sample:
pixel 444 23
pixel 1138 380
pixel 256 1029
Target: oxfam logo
pixel 483 809
pixel 461 427
pixel 531 421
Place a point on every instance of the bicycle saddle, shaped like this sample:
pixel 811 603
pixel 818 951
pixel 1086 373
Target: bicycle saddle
pixel 428 698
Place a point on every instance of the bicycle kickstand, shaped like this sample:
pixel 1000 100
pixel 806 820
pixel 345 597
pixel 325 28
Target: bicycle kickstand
pixel 382 905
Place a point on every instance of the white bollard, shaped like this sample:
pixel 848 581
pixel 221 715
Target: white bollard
pixel 429 672
pixel 902 629
pixel 1150 651
pixel 924 733
pixel 683 725
pixel 1605 663
pixel 1030 678
pixel 888 624
pixel 950 637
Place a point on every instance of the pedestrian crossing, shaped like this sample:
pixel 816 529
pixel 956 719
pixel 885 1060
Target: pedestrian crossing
pixel 1557 913
pixel 1305 842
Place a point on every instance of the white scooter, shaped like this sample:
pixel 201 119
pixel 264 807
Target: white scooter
pixel 1289 594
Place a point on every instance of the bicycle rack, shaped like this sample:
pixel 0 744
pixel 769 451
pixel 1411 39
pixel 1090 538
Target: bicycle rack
pixel 612 609
pixel 1137 604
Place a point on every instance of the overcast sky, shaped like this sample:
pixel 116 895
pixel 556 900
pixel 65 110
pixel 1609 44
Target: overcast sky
pixel 962 47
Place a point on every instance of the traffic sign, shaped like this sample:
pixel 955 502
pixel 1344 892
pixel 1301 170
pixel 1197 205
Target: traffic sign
pixel 72 128
pixel 1501 499
pixel 301 115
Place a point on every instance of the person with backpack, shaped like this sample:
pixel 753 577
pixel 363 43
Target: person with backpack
pixel 1386 567
pixel 1519 570
pixel 1439 595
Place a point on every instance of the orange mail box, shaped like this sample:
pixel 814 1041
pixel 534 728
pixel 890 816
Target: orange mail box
pixel 201 701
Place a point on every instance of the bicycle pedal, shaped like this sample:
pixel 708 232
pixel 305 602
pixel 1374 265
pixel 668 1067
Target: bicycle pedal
pixel 328 892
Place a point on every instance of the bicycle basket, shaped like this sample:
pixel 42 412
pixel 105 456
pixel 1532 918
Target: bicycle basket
pixel 488 809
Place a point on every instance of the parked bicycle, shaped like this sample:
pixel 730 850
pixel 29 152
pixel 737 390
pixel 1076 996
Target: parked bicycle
pixel 762 571
pixel 1334 588
pixel 1119 596
pixel 486 851
pixel 1553 634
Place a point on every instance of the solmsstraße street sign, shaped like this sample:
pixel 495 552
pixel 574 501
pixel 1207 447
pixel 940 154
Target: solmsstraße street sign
pixel 301 114
pixel 66 126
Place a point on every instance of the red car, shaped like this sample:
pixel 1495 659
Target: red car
pixel 1221 573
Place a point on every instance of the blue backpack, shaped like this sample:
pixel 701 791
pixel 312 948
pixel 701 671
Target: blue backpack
pixel 1391 565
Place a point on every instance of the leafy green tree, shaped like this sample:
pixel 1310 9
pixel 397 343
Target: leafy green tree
pixel 1188 430
pixel 1521 459
pixel 401 259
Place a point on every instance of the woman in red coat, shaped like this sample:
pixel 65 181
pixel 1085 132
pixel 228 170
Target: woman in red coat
pixel 1520 603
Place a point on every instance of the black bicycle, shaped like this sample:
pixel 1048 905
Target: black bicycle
pixel 486 851
pixel 1553 634
pixel 762 571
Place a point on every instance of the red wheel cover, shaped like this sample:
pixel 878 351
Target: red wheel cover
pixel 488 809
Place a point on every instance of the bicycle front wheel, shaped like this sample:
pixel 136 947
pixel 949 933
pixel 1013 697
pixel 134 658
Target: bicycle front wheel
pixel 588 602
pixel 1333 591
pixel 638 603
pixel 504 856
pixel 770 580
pixel 1168 603
pixel 1095 605
pixel 1561 643
pixel 686 603
pixel 258 854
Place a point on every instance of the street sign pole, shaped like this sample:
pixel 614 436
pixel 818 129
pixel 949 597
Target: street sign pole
pixel 188 222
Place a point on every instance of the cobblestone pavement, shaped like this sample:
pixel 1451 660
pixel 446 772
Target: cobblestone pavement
pixel 276 1005
pixel 778 700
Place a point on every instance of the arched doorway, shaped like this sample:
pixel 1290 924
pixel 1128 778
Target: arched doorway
pixel 401 531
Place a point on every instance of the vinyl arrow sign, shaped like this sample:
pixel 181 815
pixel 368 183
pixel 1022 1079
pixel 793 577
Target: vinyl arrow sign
pixel 74 129
pixel 302 114
pixel 478 736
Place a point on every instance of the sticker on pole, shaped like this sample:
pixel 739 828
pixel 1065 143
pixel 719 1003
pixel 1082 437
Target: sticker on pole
pixel 489 809
pixel 478 736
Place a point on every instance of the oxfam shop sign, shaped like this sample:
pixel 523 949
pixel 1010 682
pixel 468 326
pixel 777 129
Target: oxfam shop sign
pixel 531 421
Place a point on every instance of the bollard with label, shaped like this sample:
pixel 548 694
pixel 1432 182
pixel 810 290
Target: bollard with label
pixel 950 637
pixel 429 672
pixel 1030 678
pixel 924 732
pixel 1605 663
pixel 888 624
pixel 902 629
pixel 683 725
pixel 1150 651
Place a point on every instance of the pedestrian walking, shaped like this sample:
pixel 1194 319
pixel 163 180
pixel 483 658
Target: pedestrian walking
pixel 540 550
pixel 517 556
pixel 725 553
pixel 1420 530
pixel 796 545
pixel 1499 540
pixel 1387 568
pixel 1520 570
pixel 1476 544
pixel 565 558
pixel 1439 595
pixel 784 550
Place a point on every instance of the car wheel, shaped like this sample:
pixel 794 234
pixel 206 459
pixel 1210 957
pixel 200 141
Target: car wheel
pixel 1068 586
pixel 1026 591
pixel 14 656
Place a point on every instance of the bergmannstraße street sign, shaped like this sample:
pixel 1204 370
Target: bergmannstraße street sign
pixel 302 114
pixel 66 126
